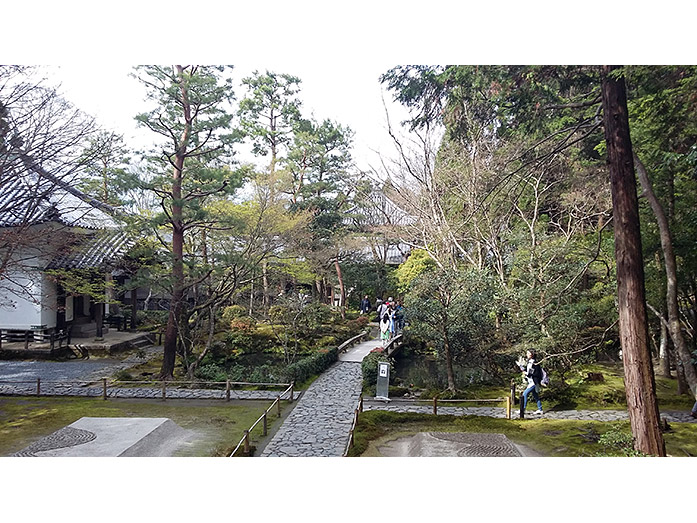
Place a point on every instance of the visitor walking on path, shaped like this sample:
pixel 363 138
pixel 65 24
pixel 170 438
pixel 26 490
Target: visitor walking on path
pixel 533 372
pixel 365 305
pixel 378 307
pixel 399 316
pixel 385 329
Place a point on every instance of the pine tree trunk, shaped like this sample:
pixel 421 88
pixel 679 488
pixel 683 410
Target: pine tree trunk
pixel 633 325
pixel 342 298
pixel 175 307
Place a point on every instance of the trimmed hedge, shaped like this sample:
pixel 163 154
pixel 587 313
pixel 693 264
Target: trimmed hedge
pixel 369 367
pixel 312 365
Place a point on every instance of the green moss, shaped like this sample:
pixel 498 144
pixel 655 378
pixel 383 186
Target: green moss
pixel 220 425
pixel 559 438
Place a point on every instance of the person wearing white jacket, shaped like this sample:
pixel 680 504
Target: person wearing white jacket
pixel 385 329
pixel 531 372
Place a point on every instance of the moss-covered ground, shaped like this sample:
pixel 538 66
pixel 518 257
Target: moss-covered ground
pixel 557 438
pixel 582 393
pixel 220 425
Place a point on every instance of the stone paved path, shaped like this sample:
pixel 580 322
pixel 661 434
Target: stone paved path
pixel 320 423
pixel 48 389
pixel 84 374
pixel 500 412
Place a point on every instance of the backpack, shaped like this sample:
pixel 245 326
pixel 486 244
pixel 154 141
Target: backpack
pixel 539 375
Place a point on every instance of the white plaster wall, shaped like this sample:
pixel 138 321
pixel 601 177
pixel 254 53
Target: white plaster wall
pixel 69 312
pixel 27 297
pixel 17 309
pixel 49 303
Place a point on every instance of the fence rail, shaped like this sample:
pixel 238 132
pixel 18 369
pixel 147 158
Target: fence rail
pixel 436 401
pixel 244 442
pixel 351 341
pixel 159 384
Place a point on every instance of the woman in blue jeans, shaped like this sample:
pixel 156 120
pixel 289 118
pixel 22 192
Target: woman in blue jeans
pixel 531 372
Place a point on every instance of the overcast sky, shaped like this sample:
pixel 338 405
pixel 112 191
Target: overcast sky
pixel 344 93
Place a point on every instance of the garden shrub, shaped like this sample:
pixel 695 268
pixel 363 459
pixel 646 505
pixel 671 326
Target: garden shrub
pixel 359 323
pixel 617 442
pixel 233 312
pixel 211 372
pixel 312 365
pixel 369 367
pixel 152 320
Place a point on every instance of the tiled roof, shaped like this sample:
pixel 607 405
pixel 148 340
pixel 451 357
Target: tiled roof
pixel 98 250
pixel 31 196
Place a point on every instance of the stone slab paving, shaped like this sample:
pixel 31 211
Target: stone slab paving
pixel 500 412
pixel 137 392
pixel 73 370
pixel 320 423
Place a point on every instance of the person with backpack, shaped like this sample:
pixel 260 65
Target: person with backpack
pixel 533 372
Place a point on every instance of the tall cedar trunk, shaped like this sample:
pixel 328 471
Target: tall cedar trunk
pixel 633 326
pixel 674 327
pixel 175 307
pixel 341 288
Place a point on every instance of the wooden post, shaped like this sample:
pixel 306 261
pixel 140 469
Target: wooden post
pixel 164 391
pixel 134 303
pixel 522 408
pixel 278 401
pixel 246 442
pixel 26 340
pixel 435 405
pixel 360 404
pixel 512 391
pixel 291 391
pixel 38 386
pixel 99 318
pixel 265 425
pixel 508 408
pixel 104 388
pixel 227 390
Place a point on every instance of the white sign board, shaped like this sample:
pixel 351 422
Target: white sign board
pixel 382 389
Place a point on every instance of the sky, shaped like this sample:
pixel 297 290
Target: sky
pixel 346 94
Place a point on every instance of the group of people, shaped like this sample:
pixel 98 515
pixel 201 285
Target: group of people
pixel 390 315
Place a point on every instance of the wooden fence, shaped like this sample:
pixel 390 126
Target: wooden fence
pixel 162 385
pixel 436 401
pixel 244 442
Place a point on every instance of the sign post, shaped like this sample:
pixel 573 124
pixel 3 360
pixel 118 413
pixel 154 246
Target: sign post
pixel 383 385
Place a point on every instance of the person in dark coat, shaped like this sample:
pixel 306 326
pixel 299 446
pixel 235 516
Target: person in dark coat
pixel 365 305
